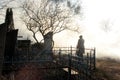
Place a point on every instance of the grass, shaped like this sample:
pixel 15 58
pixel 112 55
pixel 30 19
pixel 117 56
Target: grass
pixel 107 69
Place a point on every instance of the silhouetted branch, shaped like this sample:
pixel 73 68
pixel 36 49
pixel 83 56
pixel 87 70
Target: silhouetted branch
pixel 46 16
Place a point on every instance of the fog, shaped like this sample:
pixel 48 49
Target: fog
pixel 99 23
pixel 99 27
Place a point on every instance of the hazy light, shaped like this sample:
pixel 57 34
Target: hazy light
pixel 95 13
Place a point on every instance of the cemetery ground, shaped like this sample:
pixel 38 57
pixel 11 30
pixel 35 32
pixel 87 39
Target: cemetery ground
pixel 106 69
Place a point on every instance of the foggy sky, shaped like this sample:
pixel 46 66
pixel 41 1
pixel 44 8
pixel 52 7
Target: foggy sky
pixel 99 25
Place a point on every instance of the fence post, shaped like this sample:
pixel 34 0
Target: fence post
pixel 87 65
pixel 69 67
pixel 94 59
pixel 59 54
pixel 90 65
pixel 71 50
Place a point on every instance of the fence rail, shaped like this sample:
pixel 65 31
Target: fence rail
pixel 84 66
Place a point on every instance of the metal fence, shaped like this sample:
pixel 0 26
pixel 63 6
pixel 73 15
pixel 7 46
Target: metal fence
pixel 81 67
pixel 64 65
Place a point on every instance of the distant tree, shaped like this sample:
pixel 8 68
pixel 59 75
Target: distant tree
pixel 106 25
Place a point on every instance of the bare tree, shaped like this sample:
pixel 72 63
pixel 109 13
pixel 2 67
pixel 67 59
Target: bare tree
pixel 45 16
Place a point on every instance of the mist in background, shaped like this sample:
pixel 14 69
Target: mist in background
pixel 99 22
pixel 100 25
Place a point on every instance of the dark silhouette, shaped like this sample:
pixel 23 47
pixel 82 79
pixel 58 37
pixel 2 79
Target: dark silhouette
pixel 9 41
pixel 3 31
pixel 80 47
pixel 9 19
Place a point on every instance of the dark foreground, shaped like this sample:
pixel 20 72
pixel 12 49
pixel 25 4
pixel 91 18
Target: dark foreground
pixel 107 69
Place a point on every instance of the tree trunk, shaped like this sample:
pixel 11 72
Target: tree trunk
pixel 48 44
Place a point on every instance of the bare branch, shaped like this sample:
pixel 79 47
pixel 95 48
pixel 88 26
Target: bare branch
pixel 46 16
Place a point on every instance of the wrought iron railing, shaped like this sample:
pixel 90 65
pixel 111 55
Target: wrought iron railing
pixel 63 57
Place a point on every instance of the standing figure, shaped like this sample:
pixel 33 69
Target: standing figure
pixel 80 47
